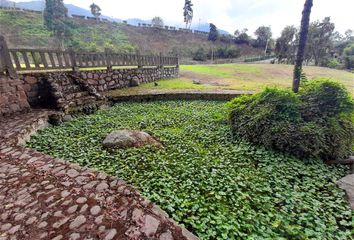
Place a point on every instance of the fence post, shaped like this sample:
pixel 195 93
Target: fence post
pixel 161 60
pixel 140 62
pixel 73 60
pixel 177 60
pixel 108 58
pixel 6 66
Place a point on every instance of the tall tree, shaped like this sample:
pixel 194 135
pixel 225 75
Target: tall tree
pixel 305 22
pixel 157 22
pixel 285 44
pixel 95 10
pixel 320 40
pixel 213 33
pixel 213 36
pixel 188 13
pixel 349 34
pixel 55 15
pixel 241 37
pixel 349 56
pixel 264 35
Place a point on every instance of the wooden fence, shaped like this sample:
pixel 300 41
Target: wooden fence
pixel 13 61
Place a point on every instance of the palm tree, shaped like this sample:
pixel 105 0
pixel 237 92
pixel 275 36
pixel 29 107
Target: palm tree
pixel 305 22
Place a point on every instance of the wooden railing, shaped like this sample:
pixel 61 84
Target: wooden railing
pixel 13 61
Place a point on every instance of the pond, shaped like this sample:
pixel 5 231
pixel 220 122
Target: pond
pixel 218 187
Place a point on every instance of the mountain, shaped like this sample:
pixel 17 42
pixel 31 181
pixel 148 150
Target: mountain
pixel 39 6
pixel 136 21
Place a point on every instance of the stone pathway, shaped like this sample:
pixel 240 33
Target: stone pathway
pixel 46 198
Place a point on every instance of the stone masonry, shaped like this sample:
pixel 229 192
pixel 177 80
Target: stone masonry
pixel 12 96
pixel 104 80
pixel 46 198
pixel 68 89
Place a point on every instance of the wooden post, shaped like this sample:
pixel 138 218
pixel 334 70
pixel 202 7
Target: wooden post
pixel 140 64
pixel 73 60
pixel 108 59
pixel 161 60
pixel 6 66
pixel 177 60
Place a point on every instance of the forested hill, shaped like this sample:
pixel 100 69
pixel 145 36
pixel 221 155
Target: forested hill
pixel 26 29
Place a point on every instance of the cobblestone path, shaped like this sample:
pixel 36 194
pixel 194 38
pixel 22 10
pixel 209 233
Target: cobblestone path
pixel 46 198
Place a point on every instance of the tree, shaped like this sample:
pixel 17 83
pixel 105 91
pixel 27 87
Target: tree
pixel 305 22
pixel 55 15
pixel 241 37
pixel 320 41
pixel 157 22
pixel 213 36
pixel 188 13
pixel 213 33
pixel 349 35
pixel 285 44
pixel 200 55
pixel 349 56
pixel 264 35
pixel 95 10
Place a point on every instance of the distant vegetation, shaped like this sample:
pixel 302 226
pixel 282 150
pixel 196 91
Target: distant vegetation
pixel 26 29
pixel 325 46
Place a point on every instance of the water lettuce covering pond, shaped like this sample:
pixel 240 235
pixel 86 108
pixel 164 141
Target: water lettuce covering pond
pixel 219 188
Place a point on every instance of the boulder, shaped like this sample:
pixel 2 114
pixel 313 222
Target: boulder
pixel 347 184
pixel 197 82
pixel 124 139
pixel 134 82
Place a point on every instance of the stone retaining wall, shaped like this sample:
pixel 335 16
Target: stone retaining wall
pixel 58 89
pixel 104 80
pixel 12 96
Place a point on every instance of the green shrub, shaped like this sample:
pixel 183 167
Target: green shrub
pixel 349 57
pixel 332 63
pixel 324 98
pixel 317 122
pixel 226 52
pixel 200 55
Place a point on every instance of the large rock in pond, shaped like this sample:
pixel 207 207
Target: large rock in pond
pixel 347 184
pixel 124 139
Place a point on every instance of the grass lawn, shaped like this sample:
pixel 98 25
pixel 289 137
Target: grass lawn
pixel 218 187
pixel 245 77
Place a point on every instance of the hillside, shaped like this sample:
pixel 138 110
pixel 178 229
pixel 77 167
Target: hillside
pixel 26 29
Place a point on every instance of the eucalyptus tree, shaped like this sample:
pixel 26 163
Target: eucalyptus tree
pixel 188 13
pixel 95 10
pixel 305 22
pixel 55 15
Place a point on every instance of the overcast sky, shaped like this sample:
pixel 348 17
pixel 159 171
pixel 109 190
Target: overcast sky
pixel 230 14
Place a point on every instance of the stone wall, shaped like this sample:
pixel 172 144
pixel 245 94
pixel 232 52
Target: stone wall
pixel 60 90
pixel 12 96
pixel 104 80
pixel 36 88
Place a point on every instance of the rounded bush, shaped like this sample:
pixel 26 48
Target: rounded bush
pixel 317 122
pixel 324 98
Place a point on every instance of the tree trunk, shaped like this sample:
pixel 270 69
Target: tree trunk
pixel 305 22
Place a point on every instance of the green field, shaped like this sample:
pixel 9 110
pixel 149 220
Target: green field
pixel 244 77
pixel 218 187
